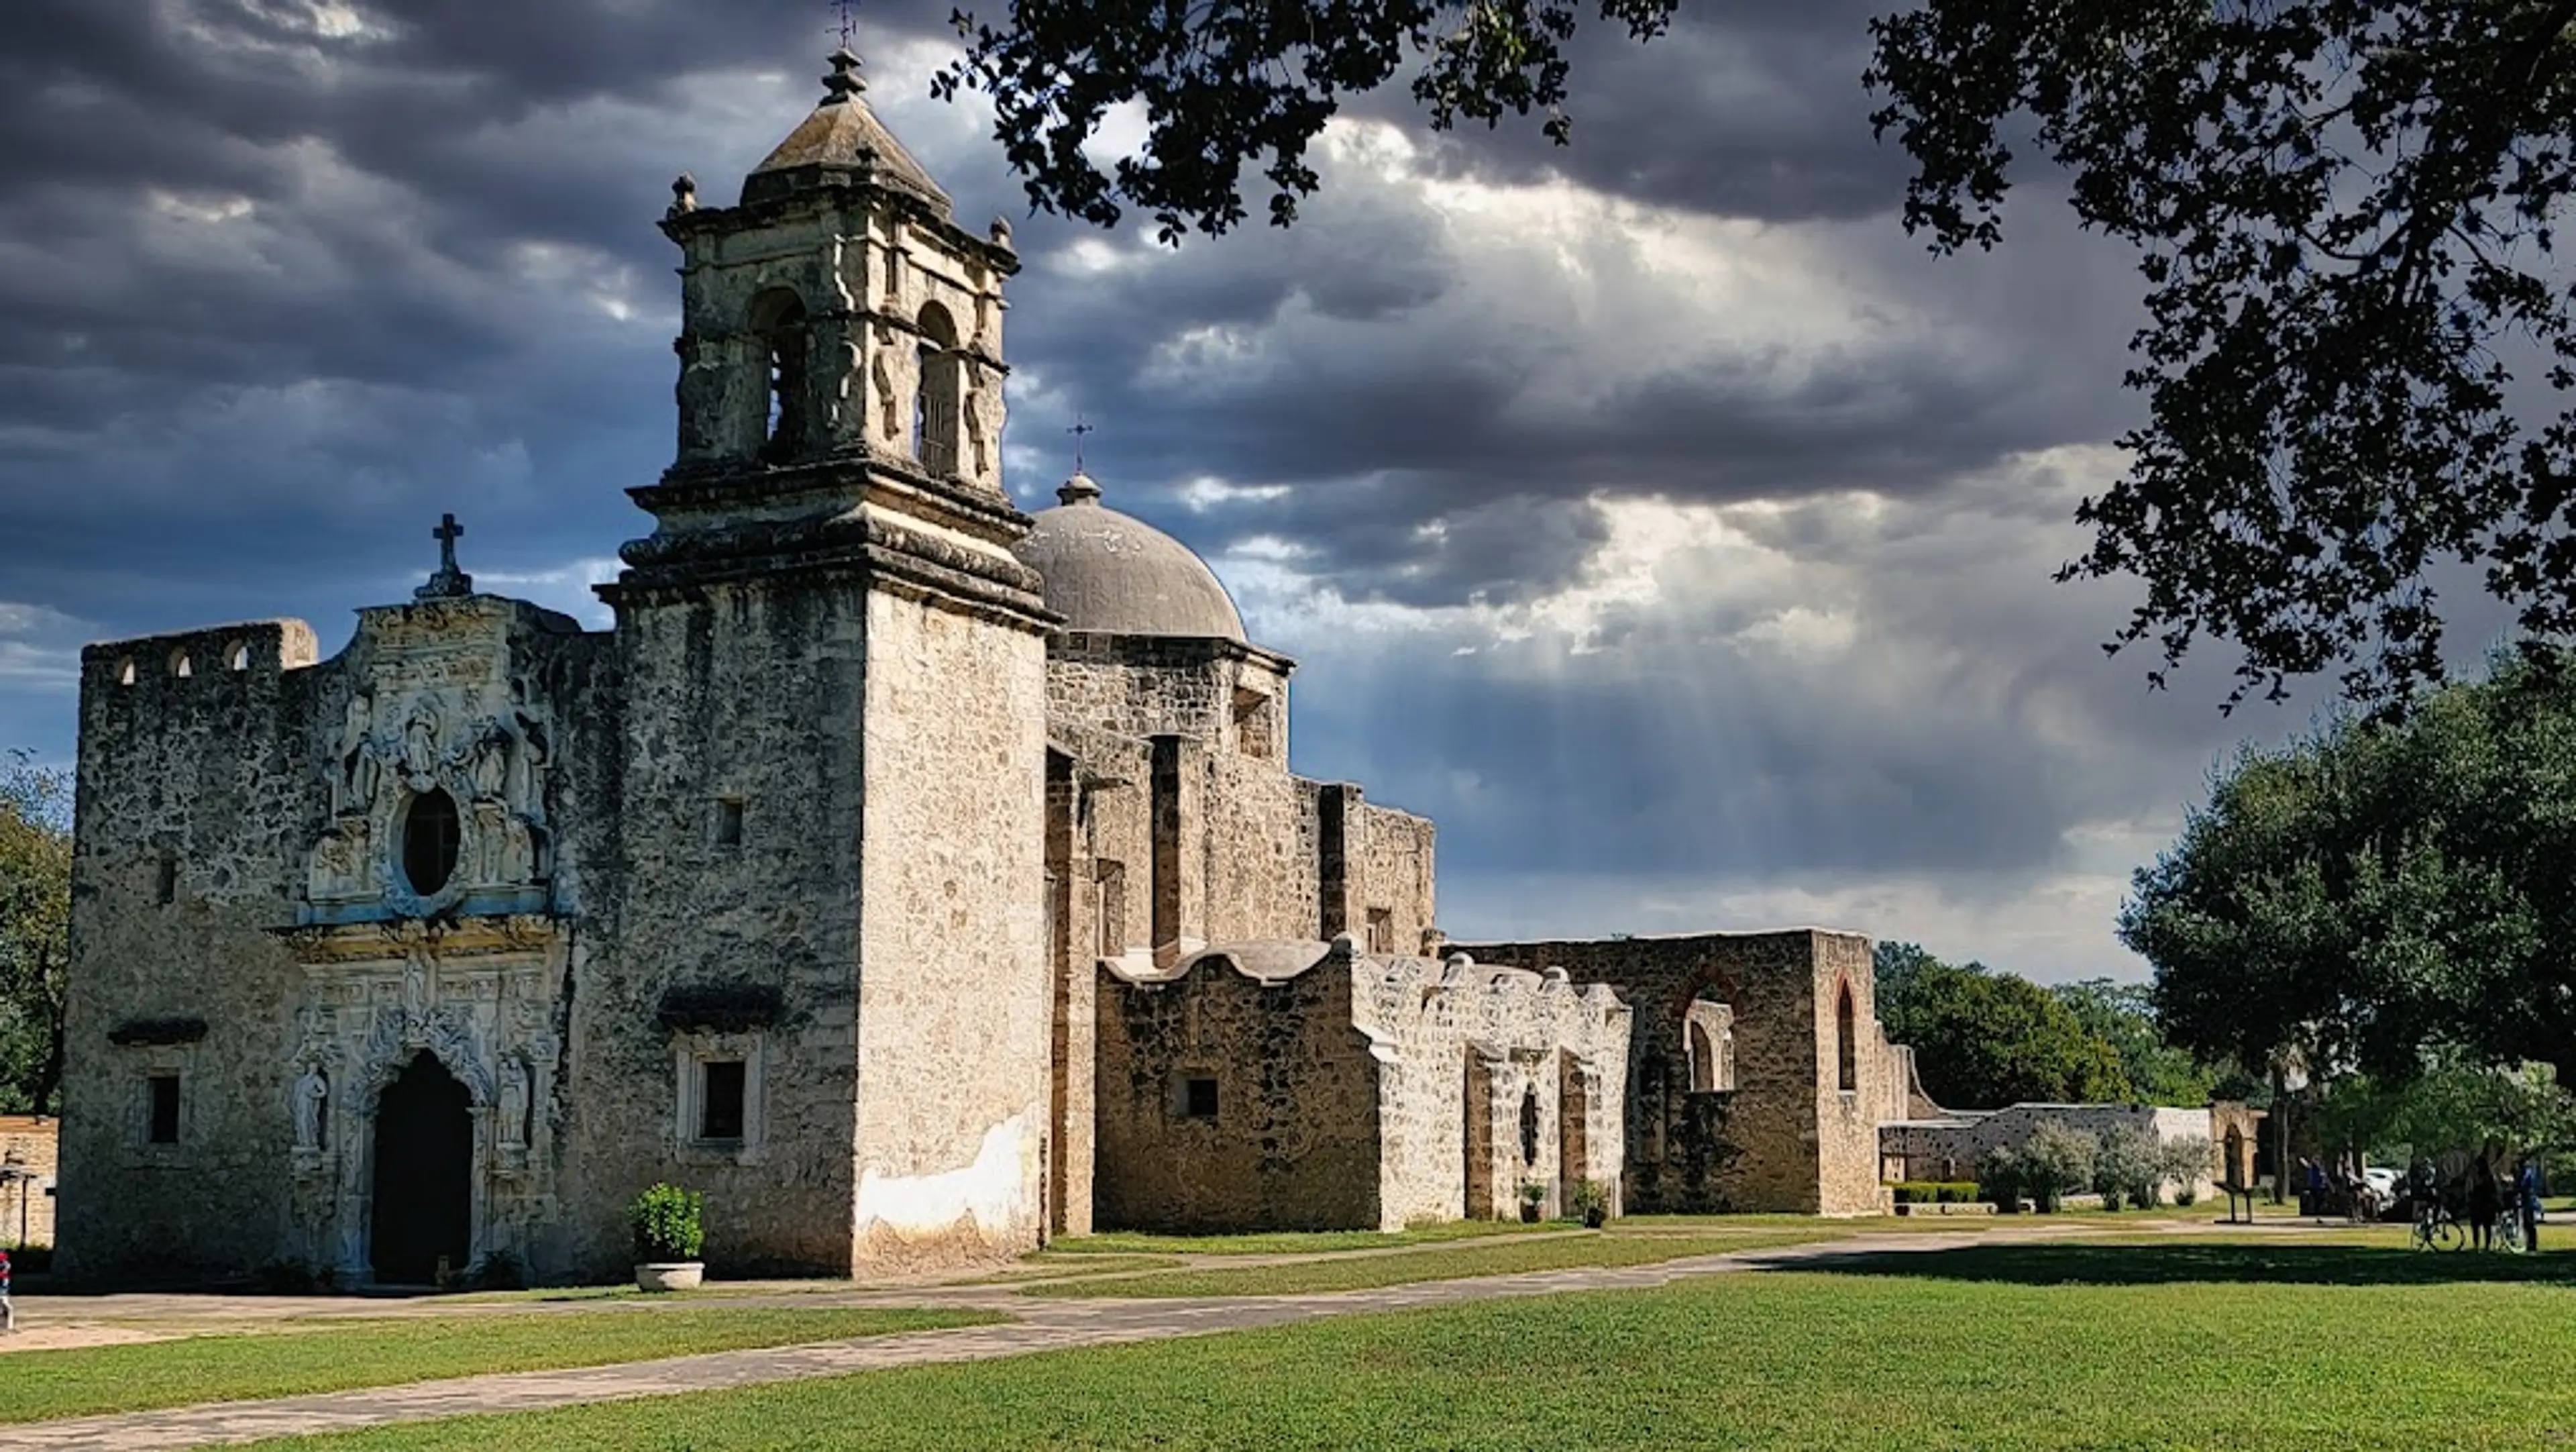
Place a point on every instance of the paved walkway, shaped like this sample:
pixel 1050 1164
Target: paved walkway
pixel 1040 1324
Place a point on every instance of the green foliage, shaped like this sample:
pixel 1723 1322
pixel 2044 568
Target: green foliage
pixel 35 932
pixel 1589 1195
pixel 1935 1192
pixel 1984 1040
pixel 2123 1015
pixel 2126 1166
pixel 1226 85
pixel 2384 896
pixel 2450 1106
pixel 2187 1161
pixel 670 1224
pixel 2055 1160
pixel 2344 209
pixel 2002 1180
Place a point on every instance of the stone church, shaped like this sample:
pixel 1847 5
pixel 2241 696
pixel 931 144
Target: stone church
pixel 917 877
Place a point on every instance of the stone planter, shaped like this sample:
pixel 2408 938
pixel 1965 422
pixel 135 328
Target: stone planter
pixel 1594 1217
pixel 670 1275
pixel 1529 1213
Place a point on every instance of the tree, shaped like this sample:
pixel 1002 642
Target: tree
pixel 2123 1015
pixel 1226 85
pixel 1984 1040
pixel 2384 897
pixel 2344 210
pixel 35 927
pixel 1896 969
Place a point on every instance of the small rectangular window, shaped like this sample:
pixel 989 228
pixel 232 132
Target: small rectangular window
pixel 729 822
pixel 1198 1099
pixel 165 1108
pixel 1381 930
pixel 720 1099
pixel 166 890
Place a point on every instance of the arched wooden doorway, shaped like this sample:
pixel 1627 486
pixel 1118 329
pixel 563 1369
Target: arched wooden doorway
pixel 424 1190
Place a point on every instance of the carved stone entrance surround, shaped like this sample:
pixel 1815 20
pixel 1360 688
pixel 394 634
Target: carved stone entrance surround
pixel 480 995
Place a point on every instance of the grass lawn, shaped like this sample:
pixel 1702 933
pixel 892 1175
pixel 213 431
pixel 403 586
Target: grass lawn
pixel 1612 1247
pixel 1997 1346
pixel 1293 1242
pixel 329 1354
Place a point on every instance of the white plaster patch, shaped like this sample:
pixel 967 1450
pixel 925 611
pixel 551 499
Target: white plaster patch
pixel 992 1191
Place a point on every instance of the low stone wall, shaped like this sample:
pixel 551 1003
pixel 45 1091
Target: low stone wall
pixel 27 1191
pixel 1950 1147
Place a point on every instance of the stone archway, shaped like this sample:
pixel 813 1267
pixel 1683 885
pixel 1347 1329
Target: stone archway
pixel 422 1209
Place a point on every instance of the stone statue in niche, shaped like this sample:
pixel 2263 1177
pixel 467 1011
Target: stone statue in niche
pixel 312 1106
pixel 514 1102
pixel 489 767
pixel 490 823
pixel 357 756
pixel 420 747
pixel 339 867
pixel 515 858
pixel 976 448
pixel 889 415
pixel 415 987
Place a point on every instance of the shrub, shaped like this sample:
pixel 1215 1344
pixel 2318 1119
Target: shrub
pixel 1589 1196
pixel 2187 1163
pixel 2000 1179
pixel 669 1224
pixel 1533 1192
pixel 1934 1192
pixel 2054 1160
pixel 2128 1167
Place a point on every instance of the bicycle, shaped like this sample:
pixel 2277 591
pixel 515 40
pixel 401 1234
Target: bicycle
pixel 2508 1232
pixel 2436 1230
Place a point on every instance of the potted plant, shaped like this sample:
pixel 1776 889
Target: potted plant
pixel 1533 1195
pixel 670 1231
pixel 1592 1202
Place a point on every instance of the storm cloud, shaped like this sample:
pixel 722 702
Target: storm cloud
pixel 1653 511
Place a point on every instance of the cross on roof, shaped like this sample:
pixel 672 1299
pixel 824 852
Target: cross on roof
pixel 1079 428
pixel 849 24
pixel 450 582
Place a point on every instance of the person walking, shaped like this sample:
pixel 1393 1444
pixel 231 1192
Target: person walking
pixel 8 1306
pixel 2484 1200
pixel 2526 1184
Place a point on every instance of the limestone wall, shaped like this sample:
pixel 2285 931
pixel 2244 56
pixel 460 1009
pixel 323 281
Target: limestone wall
pixel 239 886
pixel 1952 1146
pixel 1258 841
pixel 1528 1041
pixel 28 1151
pixel 1787 1138
pixel 1292 1139
pixel 743 702
pixel 955 995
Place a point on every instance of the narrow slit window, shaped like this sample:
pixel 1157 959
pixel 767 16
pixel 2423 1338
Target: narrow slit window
pixel 720 1099
pixel 729 822
pixel 165 1108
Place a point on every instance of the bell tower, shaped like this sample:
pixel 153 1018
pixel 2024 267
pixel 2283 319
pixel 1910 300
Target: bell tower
pixel 833 791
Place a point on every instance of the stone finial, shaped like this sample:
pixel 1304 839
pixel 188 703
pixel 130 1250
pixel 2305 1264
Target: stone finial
pixel 845 82
pixel 1001 233
pixel 1345 946
pixel 1078 490
pixel 449 583
pixel 684 195
pixel 1460 959
pixel 1555 977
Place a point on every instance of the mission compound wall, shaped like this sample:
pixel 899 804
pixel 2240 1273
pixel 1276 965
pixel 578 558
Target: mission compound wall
pixel 1788 1135
pixel 1303 1085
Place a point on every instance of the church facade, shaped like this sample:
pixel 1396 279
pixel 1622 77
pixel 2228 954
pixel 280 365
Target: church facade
pixel 917 877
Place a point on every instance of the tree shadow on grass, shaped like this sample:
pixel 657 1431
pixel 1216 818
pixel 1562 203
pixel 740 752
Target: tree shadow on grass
pixel 2183 1264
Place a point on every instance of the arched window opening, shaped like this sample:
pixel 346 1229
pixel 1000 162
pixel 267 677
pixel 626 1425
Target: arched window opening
pixel 237 656
pixel 778 319
pixel 429 839
pixel 180 665
pixel 1529 1126
pixel 125 671
pixel 937 405
pixel 1703 1059
pixel 1847 1037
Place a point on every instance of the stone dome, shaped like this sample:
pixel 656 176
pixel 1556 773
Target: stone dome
pixel 1112 573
